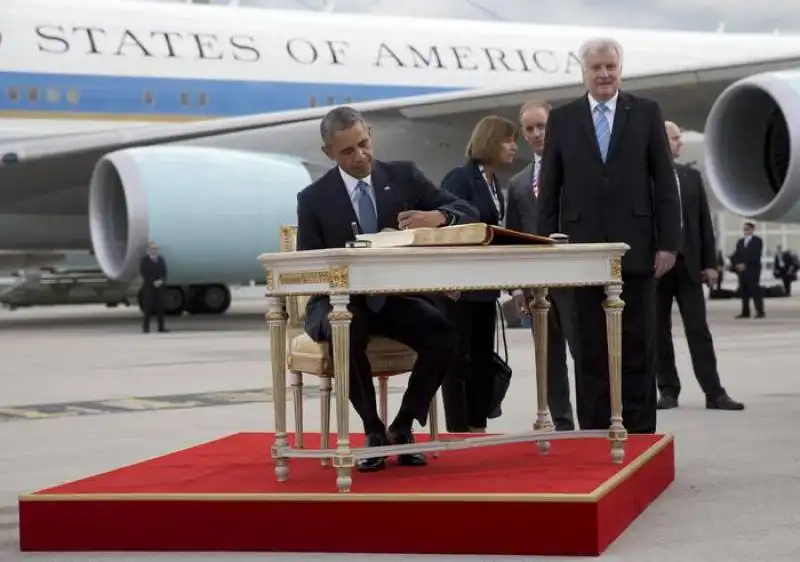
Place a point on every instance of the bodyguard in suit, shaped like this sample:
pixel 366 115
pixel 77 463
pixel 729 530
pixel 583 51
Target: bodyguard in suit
pixel 522 214
pixel 153 270
pixel 746 261
pixel 607 176
pixel 467 390
pixel 370 195
pixel 695 265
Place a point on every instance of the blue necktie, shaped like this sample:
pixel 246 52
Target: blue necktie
pixel 602 130
pixel 369 224
pixel 366 210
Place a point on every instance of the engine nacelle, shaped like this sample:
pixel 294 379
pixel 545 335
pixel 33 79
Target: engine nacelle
pixel 210 211
pixel 752 147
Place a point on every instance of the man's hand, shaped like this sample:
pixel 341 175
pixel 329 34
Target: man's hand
pixel 710 276
pixel 664 262
pixel 453 295
pixel 420 219
pixel 158 283
pixel 739 267
pixel 521 305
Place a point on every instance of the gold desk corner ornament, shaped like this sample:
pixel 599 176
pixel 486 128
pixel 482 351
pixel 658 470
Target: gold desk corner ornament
pixel 270 281
pixel 616 268
pixel 339 277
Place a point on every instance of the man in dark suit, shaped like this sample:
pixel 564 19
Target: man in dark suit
pixel 607 176
pixel 784 267
pixel 522 215
pixel 696 264
pixel 153 270
pixel 368 196
pixel 746 261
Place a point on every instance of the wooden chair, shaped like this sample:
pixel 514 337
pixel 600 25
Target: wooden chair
pixel 387 357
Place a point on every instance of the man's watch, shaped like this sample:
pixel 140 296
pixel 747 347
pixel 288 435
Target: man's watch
pixel 449 218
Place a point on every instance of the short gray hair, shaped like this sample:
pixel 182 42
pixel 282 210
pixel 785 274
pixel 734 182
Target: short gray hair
pixel 599 45
pixel 338 119
pixel 535 104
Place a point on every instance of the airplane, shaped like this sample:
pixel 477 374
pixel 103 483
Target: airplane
pixel 196 125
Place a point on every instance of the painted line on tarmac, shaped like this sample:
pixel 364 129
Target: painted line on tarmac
pixel 150 403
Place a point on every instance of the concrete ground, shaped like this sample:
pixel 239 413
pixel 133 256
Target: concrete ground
pixel 83 391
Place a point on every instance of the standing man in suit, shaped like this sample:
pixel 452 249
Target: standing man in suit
pixel 695 265
pixel 369 195
pixel 746 261
pixel 521 215
pixel 153 270
pixel 607 176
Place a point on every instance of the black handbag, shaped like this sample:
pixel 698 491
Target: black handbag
pixel 500 370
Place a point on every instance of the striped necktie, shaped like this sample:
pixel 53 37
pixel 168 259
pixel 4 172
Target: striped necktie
pixel 602 130
pixel 535 182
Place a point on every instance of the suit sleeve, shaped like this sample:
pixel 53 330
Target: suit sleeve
pixel 513 218
pixel 164 264
pixel 142 269
pixel 427 197
pixel 551 180
pixel 708 247
pixel 309 230
pixel 665 190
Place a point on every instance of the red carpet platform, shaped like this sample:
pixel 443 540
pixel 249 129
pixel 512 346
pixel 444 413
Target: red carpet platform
pixel 222 496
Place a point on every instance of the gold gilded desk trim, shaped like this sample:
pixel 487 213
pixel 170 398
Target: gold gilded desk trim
pixel 336 277
pixel 592 497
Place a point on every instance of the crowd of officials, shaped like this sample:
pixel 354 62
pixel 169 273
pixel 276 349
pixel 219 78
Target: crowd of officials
pixel 601 169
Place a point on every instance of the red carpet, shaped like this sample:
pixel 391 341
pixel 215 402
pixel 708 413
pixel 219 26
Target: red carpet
pixel 222 496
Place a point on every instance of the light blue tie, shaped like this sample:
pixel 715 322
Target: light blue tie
pixel 602 131
pixel 366 210
pixel 369 224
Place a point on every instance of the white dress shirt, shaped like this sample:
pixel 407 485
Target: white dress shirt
pixel 611 110
pixel 351 184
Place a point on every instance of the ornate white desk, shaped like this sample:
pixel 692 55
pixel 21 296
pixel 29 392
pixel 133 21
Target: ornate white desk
pixel 342 272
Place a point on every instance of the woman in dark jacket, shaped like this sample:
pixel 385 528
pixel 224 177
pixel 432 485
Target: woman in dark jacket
pixel 467 390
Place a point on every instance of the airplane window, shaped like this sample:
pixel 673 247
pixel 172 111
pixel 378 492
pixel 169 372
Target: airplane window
pixel 331 101
pixel 202 99
pixel 72 95
pixel 148 98
pixel 348 99
pixel 312 102
pixel 33 94
pixel 13 94
pixel 184 98
pixel 53 95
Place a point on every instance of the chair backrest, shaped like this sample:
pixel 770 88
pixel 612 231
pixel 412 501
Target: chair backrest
pixel 295 305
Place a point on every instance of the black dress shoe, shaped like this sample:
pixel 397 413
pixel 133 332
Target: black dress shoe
pixel 724 402
pixel 667 403
pixel 373 464
pixel 404 438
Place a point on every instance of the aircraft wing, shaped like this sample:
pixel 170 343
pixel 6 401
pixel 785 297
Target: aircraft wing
pixel 38 167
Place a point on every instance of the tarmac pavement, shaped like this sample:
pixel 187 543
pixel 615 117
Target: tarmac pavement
pixel 82 390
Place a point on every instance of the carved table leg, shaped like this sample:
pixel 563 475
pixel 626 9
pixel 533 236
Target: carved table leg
pixel 540 308
pixel 276 319
pixel 343 459
pixel 617 433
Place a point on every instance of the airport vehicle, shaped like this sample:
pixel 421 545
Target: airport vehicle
pixel 196 125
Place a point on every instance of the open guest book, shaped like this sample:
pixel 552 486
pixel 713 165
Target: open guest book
pixel 474 234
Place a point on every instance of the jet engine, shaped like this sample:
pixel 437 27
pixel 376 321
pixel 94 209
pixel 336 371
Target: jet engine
pixel 752 147
pixel 210 211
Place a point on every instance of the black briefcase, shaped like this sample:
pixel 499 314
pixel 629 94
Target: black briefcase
pixel 500 370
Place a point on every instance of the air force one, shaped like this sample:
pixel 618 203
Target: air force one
pixel 195 126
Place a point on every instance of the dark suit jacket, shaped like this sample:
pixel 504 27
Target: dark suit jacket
pixel 750 256
pixel 630 198
pixel 153 271
pixel 325 215
pixel 522 210
pixel 466 182
pixel 698 247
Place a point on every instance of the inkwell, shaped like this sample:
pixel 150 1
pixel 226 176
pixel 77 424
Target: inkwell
pixel 355 243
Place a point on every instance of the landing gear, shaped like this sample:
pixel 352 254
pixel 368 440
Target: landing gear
pixel 195 299
pixel 208 299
